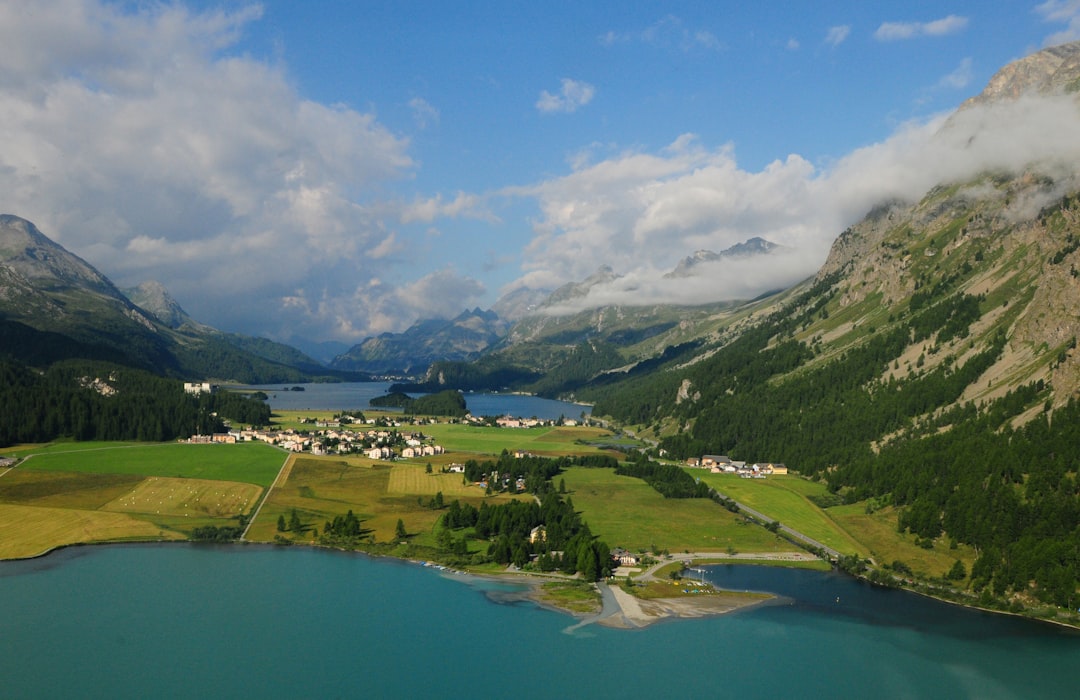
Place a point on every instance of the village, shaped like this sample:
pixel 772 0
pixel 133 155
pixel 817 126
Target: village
pixel 721 464
pixel 380 438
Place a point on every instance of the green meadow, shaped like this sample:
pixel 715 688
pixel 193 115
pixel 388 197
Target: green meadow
pixel 253 463
pixel 548 441
pixel 784 498
pixel 627 512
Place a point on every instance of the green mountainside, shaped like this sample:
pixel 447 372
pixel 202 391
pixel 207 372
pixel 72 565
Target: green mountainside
pixel 55 306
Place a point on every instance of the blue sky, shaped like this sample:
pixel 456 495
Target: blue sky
pixel 332 170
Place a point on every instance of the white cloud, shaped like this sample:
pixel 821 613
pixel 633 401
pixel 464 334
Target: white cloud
pixel 423 113
pixel 837 35
pixel 792 44
pixel 572 95
pixel 641 213
pixel 136 139
pixel 1061 11
pixel 669 32
pixel 959 78
pixel 895 31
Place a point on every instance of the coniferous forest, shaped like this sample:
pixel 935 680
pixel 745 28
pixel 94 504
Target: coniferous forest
pixel 84 400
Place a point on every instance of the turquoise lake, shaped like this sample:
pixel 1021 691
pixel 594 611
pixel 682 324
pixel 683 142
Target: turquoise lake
pixel 253 621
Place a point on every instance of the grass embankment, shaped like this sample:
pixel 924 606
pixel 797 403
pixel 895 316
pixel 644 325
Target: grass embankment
pixel 71 493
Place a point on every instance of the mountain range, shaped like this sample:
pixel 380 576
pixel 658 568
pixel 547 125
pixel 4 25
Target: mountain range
pixel 928 371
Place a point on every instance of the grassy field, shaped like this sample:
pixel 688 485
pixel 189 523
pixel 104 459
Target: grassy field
pixel 627 512
pixel 413 479
pixel 784 498
pixel 27 531
pixel 320 488
pixel 878 533
pixel 64 489
pixel 544 441
pixel 253 463
pixel 187 497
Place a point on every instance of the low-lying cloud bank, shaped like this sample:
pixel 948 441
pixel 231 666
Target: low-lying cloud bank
pixel 641 213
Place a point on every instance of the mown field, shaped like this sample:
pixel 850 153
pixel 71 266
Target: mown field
pixel 27 531
pixel 627 512
pixel 70 493
pixel 187 497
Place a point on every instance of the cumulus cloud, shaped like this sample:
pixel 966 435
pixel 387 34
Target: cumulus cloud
pixel 837 35
pixel 1061 11
pixel 439 294
pixel 136 138
pixel 641 213
pixel 573 95
pixel 895 31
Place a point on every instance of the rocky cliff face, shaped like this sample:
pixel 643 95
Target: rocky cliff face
pixel 1050 71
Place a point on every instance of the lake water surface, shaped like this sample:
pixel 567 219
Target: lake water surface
pixel 197 621
pixel 355 395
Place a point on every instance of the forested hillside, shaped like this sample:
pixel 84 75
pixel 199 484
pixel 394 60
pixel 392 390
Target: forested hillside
pixel 83 400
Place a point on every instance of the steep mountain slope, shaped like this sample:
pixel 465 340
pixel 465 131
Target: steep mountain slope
pixel 54 305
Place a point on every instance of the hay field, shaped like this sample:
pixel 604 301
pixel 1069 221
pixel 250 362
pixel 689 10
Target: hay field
pixel 407 478
pixel 187 497
pixel 27 531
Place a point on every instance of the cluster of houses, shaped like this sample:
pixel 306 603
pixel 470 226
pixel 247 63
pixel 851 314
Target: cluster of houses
pixel 721 464
pixel 329 438
pixel 512 422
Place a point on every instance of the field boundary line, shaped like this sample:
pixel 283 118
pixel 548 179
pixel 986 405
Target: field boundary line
pixel 282 476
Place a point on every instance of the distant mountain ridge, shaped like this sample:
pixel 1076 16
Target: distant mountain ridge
pixel 688 266
pixel 462 338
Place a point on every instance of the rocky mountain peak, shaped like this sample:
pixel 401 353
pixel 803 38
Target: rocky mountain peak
pixel 1053 70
